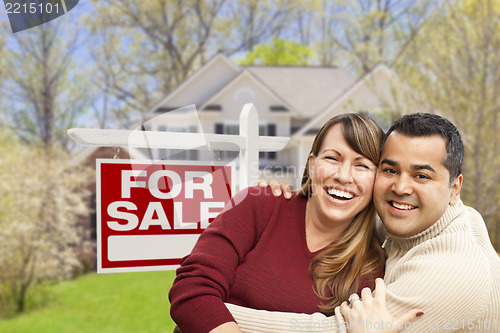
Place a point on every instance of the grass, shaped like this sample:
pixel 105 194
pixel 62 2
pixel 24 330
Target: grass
pixel 121 302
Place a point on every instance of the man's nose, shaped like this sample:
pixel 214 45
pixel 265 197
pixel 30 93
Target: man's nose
pixel 402 185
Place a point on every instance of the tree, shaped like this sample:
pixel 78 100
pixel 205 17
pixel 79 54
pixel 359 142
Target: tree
pixel 46 94
pixel 278 52
pixel 143 50
pixel 454 70
pixel 247 23
pixel 362 33
pixel 39 212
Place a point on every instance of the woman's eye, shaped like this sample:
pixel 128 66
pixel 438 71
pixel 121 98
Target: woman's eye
pixel 331 158
pixel 363 166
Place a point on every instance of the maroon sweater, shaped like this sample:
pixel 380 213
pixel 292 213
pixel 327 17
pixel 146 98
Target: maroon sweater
pixel 254 255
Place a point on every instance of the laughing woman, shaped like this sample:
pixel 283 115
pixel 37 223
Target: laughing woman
pixel 303 255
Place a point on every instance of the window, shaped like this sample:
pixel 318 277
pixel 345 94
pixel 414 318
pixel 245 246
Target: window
pixel 213 107
pixel 234 129
pixel 176 154
pixel 245 95
pixel 267 130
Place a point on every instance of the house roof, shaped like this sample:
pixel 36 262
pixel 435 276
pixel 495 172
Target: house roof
pixel 218 58
pixel 318 120
pixel 248 74
pixel 308 90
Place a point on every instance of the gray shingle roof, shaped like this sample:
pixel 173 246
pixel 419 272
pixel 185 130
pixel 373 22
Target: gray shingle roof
pixel 308 90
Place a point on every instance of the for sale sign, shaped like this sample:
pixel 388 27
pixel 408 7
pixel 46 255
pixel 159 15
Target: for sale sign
pixel 149 215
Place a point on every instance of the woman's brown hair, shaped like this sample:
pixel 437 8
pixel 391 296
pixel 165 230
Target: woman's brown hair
pixel 338 270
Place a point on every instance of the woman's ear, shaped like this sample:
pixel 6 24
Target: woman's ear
pixel 310 165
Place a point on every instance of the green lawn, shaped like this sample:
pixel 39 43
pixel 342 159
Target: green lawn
pixel 120 302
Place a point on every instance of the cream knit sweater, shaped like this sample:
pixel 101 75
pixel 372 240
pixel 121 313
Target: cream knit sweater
pixel 450 270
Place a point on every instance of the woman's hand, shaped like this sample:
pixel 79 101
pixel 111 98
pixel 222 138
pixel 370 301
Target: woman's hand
pixel 370 314
pixel 277 188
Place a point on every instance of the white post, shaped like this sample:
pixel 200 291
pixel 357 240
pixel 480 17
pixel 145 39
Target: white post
pixel 249 142
pixel 249 155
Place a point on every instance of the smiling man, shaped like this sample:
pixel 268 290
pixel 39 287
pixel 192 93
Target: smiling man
pixel 420 173
pixel 439 256
pixel 414 187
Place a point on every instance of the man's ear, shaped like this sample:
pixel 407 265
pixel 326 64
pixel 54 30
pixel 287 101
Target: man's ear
pixel 455 189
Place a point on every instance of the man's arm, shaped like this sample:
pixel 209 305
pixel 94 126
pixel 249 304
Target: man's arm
pixel 451 287
pixel 436 283
pixel 370 315
pixel 261 321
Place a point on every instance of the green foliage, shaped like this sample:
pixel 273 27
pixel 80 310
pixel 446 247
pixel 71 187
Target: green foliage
pixel 108 303
pixel 279 52
pixel 453 69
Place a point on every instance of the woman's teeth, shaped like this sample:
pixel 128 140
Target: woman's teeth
pixel 340 194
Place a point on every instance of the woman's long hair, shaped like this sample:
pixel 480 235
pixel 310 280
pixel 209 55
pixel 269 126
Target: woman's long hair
pixel 338 270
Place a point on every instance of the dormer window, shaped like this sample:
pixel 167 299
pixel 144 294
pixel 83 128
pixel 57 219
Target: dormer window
pixel 213 107
pixel 278 108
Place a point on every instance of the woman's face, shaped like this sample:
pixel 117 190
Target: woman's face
pixel 341 179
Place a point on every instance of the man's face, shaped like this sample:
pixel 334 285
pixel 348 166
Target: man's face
pixel 412 188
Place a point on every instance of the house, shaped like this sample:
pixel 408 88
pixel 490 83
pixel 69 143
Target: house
pixel 292 101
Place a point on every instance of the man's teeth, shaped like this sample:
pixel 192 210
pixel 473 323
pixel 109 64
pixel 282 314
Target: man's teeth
pixel 339 193
pixel 402 206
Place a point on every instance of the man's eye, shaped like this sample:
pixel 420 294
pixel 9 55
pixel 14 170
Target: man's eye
pixel 421 176
pixel 390 171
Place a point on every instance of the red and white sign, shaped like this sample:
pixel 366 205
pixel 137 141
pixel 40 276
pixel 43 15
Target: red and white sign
pixel 149 215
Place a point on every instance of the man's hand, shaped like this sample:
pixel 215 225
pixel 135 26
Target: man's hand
pixel 370 314
pixel 277 188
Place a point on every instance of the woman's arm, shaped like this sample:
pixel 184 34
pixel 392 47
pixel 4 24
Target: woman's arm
pixel 204 277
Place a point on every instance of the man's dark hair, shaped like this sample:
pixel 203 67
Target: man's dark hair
pixel 427 124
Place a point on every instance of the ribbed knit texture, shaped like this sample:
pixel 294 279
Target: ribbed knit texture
pixel 253 254
pixel 224 262
pixel 450 270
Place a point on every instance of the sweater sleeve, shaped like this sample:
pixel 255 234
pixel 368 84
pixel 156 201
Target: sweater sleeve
pixel 262 321
pixel 446 286
pixel 205 276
